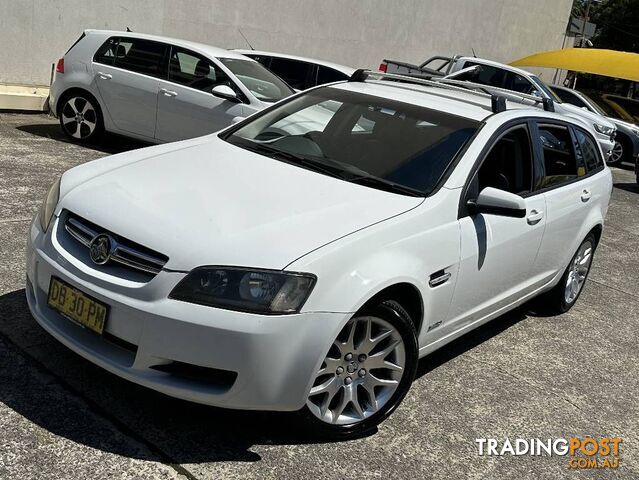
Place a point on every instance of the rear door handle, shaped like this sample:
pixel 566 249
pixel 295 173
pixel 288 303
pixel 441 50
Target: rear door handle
pixel 585 195
pixel 168 93
pixel 105 76
pixel 534 217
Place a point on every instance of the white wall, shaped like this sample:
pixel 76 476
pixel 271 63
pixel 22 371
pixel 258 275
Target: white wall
pixel 360 33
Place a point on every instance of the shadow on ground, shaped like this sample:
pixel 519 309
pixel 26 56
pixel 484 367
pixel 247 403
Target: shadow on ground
pixel 174 431
pixel 628 187
pixel 107 143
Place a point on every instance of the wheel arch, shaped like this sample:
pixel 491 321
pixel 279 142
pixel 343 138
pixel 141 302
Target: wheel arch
pixel 404 293
pixel 77 90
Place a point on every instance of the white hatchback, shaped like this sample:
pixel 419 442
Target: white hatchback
pixel 307 257
pixel 156 89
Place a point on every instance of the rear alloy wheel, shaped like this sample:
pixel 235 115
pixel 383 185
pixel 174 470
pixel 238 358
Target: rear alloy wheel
pixel 563 296
pixel 578 271
pixel 80 118
pixel 366 372
pixel 616 155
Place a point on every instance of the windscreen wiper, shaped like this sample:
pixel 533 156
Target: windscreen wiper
pixel 382 184
pixel 289 157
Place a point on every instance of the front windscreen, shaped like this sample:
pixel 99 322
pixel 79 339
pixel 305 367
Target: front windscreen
pixel 262 83
pixel 361 138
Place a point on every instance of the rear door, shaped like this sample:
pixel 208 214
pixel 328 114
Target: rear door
pixel 187 107
pixel 127 72
pixel 497 252
pixel 568 191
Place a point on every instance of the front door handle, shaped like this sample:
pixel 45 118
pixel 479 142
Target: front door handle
pixel 534 217
pixel 105 76
pixel 168 93
pixel 585 195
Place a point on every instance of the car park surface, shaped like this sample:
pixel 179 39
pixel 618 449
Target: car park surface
pixel 521 375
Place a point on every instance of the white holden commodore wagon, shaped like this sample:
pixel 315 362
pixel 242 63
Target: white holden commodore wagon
pixel 307 257
pixel 156 89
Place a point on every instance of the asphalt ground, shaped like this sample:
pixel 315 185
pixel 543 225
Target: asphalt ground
pixel 520 376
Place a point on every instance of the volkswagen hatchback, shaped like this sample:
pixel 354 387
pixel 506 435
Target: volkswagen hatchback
pixel 156 89
pixel 307 257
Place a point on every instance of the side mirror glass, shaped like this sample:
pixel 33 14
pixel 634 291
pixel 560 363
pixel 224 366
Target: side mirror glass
pixel 498 202
pixel 225 92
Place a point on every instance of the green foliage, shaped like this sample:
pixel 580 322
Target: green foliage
pixel 617 24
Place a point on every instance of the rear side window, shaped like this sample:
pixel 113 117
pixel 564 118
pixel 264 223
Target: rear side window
pixel 133 54
pixel 328 75
pixel 297 74
pixel 587 149
pixel 106 53
pixel 560 162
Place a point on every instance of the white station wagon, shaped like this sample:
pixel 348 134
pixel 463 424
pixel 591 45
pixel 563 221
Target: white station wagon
pixel 307 257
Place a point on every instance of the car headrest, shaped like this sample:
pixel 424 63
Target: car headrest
pixel 202 68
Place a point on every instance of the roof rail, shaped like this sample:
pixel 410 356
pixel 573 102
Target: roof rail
pixel 547 103
pixel 497 95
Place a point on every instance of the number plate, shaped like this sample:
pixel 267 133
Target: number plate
pixel 77 306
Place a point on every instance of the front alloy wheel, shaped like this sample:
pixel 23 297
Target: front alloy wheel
pixel 366 372
pixel 616 155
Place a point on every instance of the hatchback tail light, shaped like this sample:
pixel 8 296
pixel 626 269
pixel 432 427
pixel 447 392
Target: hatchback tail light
pixel 60 66
pixel 383 67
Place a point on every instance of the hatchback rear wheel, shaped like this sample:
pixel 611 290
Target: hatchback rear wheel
pixel 366 372
pixel 80 118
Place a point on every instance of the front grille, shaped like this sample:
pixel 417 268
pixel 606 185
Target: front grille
pixel 123 251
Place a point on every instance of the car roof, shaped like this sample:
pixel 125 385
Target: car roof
pixel 207 50
pixel 348 71
pixel 455 102
pixel 492 63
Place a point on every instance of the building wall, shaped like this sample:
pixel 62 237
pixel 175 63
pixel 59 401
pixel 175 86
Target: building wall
pixel 360 33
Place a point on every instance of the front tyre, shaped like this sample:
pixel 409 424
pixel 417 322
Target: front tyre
pixel 81 118
pixel 564 295
pixel 366 373
pixel 616 154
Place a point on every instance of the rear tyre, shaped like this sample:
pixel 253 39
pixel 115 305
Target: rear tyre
pixel 564 295
pixel 366 373
pixel 81 118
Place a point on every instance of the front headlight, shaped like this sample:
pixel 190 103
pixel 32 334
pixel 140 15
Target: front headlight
pixel 48 205
pixel 603 129
pixel 245 289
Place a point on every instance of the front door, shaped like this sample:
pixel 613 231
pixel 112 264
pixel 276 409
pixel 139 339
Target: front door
pixel 498 253
pixel 186 106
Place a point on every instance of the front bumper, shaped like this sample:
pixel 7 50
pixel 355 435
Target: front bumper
pixel 274 358
pixel 606 144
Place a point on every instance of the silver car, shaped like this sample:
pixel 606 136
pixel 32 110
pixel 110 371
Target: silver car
pixel 156 89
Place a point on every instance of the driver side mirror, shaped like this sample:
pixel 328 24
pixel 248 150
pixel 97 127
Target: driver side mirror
pixel 225 92
pixel 498 202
